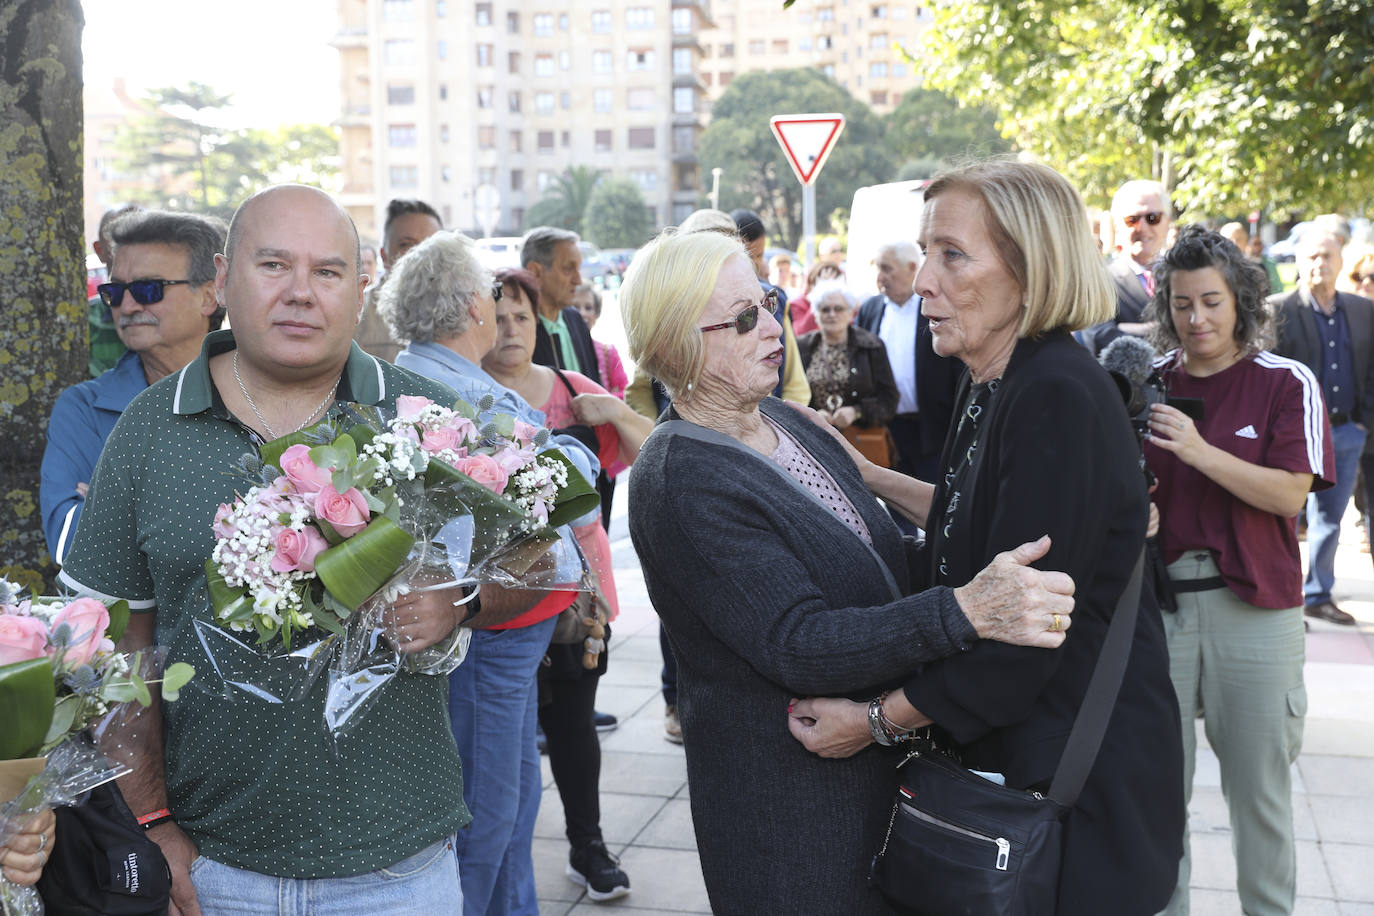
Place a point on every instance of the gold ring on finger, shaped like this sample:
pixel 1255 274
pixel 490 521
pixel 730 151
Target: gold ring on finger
pixel 1056 624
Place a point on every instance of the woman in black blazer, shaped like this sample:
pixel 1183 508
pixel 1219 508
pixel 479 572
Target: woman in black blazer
pixel 851 379
pixel 1041 442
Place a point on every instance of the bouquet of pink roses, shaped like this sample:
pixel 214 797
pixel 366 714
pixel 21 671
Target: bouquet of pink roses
pixel 61 677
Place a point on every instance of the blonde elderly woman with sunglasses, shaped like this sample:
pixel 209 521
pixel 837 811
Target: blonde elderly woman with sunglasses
pixel 774 571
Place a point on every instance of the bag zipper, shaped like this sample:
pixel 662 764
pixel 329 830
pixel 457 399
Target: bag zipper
pixel 1003 845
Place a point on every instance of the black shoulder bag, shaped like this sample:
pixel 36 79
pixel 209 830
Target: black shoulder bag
pixel 961 844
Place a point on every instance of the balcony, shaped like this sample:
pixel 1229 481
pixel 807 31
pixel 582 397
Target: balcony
pixel 355 37
pixel 355 116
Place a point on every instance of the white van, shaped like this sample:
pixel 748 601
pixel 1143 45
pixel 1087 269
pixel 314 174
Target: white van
pixel 881 213
pixel 501 251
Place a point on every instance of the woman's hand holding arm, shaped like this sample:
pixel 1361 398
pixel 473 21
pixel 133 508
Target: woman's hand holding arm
pixel 631 427
pixel 1008 601
pixel 836 727
pixel 23 856
pixel 1275 490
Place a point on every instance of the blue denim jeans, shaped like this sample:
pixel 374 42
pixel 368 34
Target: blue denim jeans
pixel 426 882
pixel 1324 511
pixel 493 702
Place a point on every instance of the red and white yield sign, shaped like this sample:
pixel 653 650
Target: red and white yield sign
pixel 807 140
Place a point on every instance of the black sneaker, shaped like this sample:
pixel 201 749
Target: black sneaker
pixel 604 721
pixel 598 871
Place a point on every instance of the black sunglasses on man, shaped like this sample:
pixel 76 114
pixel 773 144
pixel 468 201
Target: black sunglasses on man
pixel 145 292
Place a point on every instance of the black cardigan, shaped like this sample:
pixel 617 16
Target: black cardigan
pixel 872 388
pixel 1058 457
pixel 545 354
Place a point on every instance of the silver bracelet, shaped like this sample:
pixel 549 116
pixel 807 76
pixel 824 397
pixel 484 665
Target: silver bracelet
pixel 875 723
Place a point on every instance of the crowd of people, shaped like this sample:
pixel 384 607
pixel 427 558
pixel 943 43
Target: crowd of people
pixel 861 523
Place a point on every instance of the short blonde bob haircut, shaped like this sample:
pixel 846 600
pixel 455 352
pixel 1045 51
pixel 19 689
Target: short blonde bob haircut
pixel 1040 228
pixel 662 298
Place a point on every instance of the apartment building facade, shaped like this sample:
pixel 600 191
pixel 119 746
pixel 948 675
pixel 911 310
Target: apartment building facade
pixel 450 100
pixel 853 41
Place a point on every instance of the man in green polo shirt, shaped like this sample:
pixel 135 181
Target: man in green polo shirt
pixel 262 807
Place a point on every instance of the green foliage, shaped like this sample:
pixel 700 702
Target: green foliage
pixel 565 201
pixel 617 216
pixel 929 125
pixel 1233 103
pixel 205 167
pixel 756 173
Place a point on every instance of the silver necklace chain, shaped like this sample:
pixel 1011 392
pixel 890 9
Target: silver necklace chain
pixel 263 420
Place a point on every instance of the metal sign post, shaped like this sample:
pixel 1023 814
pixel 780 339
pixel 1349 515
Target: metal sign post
pixel 806 140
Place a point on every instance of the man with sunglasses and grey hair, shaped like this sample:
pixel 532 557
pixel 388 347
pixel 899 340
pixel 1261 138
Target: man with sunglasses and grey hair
pixel 161 297
pixel 1141 216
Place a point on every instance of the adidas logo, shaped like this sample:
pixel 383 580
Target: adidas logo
pixel 1247 433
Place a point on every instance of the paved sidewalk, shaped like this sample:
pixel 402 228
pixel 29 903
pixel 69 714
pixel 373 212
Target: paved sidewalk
pixel 647 822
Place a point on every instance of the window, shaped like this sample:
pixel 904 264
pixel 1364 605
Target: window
pixel 684 140
pixel 513 100
pixel 640 59
pixel 641 99
pixel 486 137
pixel 601 21
pixel 565 139
pixel 825 14
pixel 543 24
pixel 563 22
pixel 517 141
pixel 441 9
pixel 517 179
pixel 543 65
pixel 877 97
pixel 485 175
pixel 565 100
pixel 641 138
pixel 484 96
pixel 647 179
pixel 803 44
pixel 442 49
pixel 564 60
pixel 445 173
pixel 639 17
pixel 443 133
pixel 726 76
pixel 443 92
pixel 756 46
pixel 404 176
pixel 543 103
pixel 899 69
pixel 682 21
pixel 824 42
pixel 399 51
pixel 602 141
pixel 727 49
pixel 706 79
pixel 484 14
pixel 513 23
pixel 601 62
pixel 779 45
pixel 486 55
pixel 400 135
pixel 878 41
pixel 398 10
pixel 877 69
pixel 829 70
pixel 543 180
pixel 602 101
pixel 544 141
pixel 684 100
pixel 400 95
pixel 879 11
pixel 682 211
pixel 682 61
pixel 513 62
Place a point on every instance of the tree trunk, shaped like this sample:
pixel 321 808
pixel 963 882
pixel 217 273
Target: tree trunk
pixel 43 321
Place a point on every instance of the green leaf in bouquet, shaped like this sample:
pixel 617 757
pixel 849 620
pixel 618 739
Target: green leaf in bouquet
pixel 27 693
pixel 353 570
pixel 330 535
pixel 337 607
pixel 63 719
pixel 576 499
pixel 362 435
pixel 375 503
pixel 338 454
pixel 177 675
pixel 329 623
pixel 119 619
pixel 141 691
pixel 229 604
pixel 119 691
pixel 265 628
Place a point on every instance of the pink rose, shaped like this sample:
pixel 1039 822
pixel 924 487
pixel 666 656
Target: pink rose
pixel 513 459
pixel 437 440
pixel 297 549
pixel 408 407
pixel 21 639
pixel 88 620
pixel 485 470
pixel 222 528
pixel 525 432
pixel 346 512
pixel 307 476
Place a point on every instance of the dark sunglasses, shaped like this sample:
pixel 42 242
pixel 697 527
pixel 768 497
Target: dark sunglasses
pixel 1153 218
pixel 145 292
pixel 1364 279
pixel 748 319
pixel 832 309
